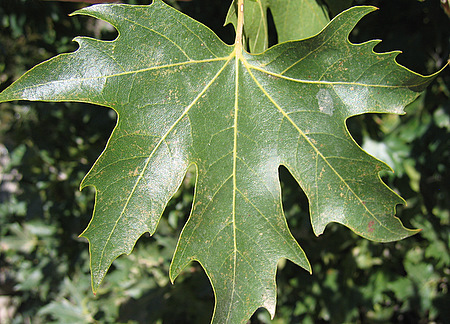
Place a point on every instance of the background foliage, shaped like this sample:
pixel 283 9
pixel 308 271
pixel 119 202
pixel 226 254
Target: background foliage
pixel 46 149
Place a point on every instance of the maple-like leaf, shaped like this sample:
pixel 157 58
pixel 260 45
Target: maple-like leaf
pixel 184 97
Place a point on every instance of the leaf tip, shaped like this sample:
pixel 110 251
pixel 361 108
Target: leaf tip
pixel 81 11
pixel 96 280
pixel 411 232
pixel 172 276
pixel 414 231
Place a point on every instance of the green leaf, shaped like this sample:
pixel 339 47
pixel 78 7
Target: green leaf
pixel 294 20
pixel 183 98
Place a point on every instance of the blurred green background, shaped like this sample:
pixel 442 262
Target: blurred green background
pixel 47 148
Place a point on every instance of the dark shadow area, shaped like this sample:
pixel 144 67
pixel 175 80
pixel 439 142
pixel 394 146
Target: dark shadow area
pixel 417 28
pixel 189 300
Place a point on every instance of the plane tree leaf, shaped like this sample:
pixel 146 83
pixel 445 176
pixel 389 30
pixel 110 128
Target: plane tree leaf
pixel 183 98
pixel 293 19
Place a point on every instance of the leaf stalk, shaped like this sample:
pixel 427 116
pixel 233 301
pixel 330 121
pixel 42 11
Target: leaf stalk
pixel 240 25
